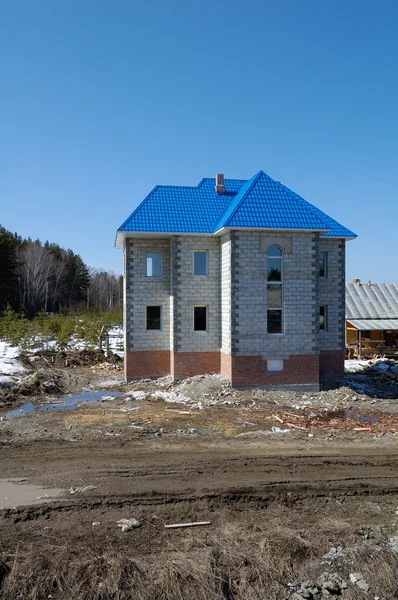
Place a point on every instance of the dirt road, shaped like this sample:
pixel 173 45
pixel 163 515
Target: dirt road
pixel 190 466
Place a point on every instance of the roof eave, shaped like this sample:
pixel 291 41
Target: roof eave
pixel 341 237
pixel 122 235
pixel 292 229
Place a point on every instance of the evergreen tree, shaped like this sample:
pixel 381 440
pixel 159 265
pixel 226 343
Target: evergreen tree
pixel 8 269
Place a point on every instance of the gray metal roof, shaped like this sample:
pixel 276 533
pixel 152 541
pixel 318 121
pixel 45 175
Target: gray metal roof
pixel 374 324
pixel 376 301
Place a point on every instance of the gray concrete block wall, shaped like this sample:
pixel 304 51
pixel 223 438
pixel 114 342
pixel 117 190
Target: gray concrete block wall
pixel 226 246
pixel 143 291
pixel 300 294
pixel 332 294
pixel 189 291
pixel 126 305
pixel 236 293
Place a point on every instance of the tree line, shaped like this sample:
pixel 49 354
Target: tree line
pixel 36 276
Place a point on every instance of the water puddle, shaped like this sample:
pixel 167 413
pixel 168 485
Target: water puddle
pixel 353 414
pixel 66 403
pixel 15 492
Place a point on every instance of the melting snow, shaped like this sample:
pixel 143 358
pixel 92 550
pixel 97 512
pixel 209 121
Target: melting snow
pixel 139 395
pixel 171 397
pixel 10 367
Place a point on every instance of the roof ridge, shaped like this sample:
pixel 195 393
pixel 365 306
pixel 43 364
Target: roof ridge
pixel 237 201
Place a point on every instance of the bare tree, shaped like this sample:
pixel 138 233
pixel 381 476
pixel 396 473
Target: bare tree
pixel 36 265
pixel 105 290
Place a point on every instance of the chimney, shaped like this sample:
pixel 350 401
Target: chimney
pixel 369 283
pixel 220 187
pixel 357 281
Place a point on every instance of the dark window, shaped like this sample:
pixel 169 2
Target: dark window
pixel 274 321
pixel 154 317
pixel 274 269
pixel 323 311
pixel 323 264
pixel 200 318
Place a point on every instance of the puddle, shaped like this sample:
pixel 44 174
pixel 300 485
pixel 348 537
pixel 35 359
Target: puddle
pixel 66 403
pixel 353 414
pixel 15 492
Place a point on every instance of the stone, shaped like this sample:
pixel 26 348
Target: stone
pixel 314 590
pixel 128 524
pixel 305 594
pixel 331 586
pixel 307 584
pixel 363 585
pixel 354 577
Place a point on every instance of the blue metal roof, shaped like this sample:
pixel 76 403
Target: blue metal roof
pixel 259 202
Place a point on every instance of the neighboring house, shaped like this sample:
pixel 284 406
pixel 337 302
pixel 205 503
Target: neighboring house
pixel 242 278
pixel 372 317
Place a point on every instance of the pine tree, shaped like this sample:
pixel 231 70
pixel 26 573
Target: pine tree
pixel 8 268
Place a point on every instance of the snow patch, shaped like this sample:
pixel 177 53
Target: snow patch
pixel 9 365
pixel 138 395
pixel 110 383
pixel 171 397
pixel 356 366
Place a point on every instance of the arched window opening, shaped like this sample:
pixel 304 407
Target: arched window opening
pixel 274 290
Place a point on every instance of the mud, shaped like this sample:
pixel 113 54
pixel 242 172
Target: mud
pixel 16 492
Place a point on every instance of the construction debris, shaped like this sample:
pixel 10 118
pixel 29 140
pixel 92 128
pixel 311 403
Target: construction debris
pixel 194 524
pixel 128 524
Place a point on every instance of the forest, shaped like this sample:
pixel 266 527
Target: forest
pixel 37 277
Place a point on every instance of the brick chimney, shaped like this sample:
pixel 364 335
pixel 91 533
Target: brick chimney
pixel 220 187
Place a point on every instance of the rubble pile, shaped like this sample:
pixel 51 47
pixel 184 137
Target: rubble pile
pixel 326 586
pixel 377 378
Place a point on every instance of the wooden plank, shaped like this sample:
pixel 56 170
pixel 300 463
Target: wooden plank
pixel 195 524
pixel 277 418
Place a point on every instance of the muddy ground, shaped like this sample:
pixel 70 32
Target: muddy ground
pixel 301 490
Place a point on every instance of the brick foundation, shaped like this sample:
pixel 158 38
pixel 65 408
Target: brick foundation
pixel 332 360
pixel 242 371
pixel 149 363
pixel 299 370
pixel 188 364
pixel 226 366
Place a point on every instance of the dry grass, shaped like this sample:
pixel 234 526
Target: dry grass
pixel 247 554
pixel 235 562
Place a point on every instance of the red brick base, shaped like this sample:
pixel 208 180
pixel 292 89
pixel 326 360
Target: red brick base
pixel 149 363
pixel 226 366
pixel 188 364
pixel 332 360
pixel 252 371
pixel 242 371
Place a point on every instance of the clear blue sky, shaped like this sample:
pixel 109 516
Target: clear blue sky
pixel 102 100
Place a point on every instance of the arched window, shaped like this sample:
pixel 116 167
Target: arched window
pixel 274 290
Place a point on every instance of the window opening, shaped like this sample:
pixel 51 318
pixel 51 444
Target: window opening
pixel 154 318
pixel 274 290
pixel 154 264
pixel 323 311
pixel 323 264
pixel 200 318
pixel 200 268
